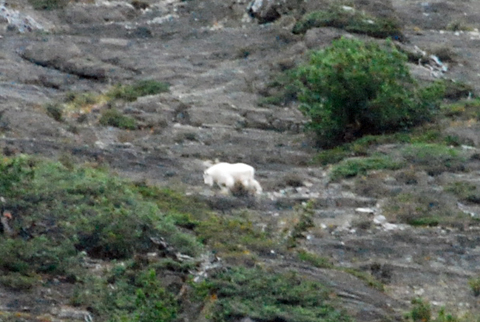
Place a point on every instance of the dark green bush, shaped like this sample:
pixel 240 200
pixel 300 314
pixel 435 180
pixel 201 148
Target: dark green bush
pixel 126 293
pixel 36 255
pixel 113 117
pixel 354 88
pixel 55 111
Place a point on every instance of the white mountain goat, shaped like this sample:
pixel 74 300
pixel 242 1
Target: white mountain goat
pixel 228 175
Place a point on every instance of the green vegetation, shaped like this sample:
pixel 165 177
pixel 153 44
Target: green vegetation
pixel 474 284
pixel 434 158
pixel 359 166
pixel 236 237
pixel 103 215
pixel 55 111
pixel 351 20
pixel 79 105
pixel 127 293
pixel 313 259
pixel 465 191
pixel 62 213
pixel 344 94
pixel 141 88
pixel 367 277
pixel 268 296
pixel 422 312
pixel 113 117
pixel 423 207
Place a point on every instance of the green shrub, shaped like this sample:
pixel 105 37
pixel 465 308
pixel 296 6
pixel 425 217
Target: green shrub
pixel 152 302
pixel 113 117
pixel 55 111
pixel 101 214
pixel 126 293
pixel 356 88
pixel 36 255
pixel 474 284
pixel 141 88
pixel 14 173
pixel 350 20
pixel 421 311
pixel 359 166
pixel 266 296
pixel 18 282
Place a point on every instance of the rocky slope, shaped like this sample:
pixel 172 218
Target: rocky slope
pixel 218 59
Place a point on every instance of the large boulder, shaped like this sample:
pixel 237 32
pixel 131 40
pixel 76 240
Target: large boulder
pixel 270 10
pixel 65 56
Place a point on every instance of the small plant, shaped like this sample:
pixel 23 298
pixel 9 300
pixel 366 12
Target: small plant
pixel 345 95
pixel 55 111
pixel 141 88
pixel 313 259
pixel 474 284
pixel 458 25
pixel 359 166
pixel 304 221
pixel 367 277
pixel 113 117
pixel 421 311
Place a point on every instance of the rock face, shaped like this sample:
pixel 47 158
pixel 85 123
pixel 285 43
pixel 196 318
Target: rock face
pixel 217 59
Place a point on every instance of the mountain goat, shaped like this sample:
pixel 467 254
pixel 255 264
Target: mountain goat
pixel 228 175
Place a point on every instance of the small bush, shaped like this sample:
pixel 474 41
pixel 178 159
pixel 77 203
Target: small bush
pixel 351 21
pixel 142 88
pixel 421 311
pixel 359 166
pixel 474 284
pixel 353 88
pixel 113 117
pixel 55 111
